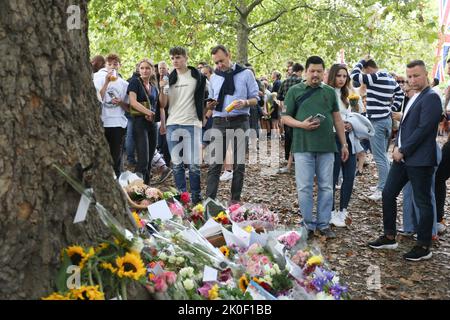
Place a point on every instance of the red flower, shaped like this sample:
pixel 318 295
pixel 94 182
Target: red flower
pixel 185 197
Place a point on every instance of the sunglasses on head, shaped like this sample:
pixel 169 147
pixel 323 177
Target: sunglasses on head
pixel 401 81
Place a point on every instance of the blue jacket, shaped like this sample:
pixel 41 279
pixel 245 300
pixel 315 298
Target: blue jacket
pixel 418 130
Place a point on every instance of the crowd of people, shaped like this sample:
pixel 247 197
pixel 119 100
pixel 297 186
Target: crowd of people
pixel 181 119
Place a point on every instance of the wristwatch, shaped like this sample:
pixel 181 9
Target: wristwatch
pixel 345 145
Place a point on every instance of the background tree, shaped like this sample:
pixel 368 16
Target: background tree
pixel 276 31
pixel 49 115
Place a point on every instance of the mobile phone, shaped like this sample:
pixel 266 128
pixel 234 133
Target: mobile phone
pixel 319 118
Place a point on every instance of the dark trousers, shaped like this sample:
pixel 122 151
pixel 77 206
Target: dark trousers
pixel 442 175
pixel 163 148
pixel 348 174
pixel 288 133
pixel 115 137
pixel 239 153
pixel 421 179
pixel 145 136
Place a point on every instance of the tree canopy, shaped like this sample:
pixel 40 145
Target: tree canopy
pixel 391 31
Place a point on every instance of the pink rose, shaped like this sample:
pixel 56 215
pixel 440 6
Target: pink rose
pixel 176 209
pixel 160 284
pixel 204 290
pixel 171 277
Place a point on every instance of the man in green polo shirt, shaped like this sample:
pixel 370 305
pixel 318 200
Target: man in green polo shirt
pixel 312 110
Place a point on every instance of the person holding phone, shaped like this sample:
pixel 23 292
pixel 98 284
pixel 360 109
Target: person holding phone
pixel 114 98
pixel 312 111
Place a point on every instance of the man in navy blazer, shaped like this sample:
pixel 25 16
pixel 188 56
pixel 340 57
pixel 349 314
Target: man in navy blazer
pixel 414 160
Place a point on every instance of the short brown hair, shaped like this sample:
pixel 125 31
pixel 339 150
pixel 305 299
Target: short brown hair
pixel 415 63
pixel 370 64
pixel 178 51
pixel 112 57
pixel 219 47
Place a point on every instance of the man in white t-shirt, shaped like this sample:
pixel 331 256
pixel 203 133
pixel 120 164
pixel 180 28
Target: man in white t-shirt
pixel 184 120
pixel 112 90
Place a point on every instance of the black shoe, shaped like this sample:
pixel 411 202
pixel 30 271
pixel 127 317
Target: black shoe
pixel 383 243
pixel 327 233
pixel 310 234
pixel 418 253
pixel 358 173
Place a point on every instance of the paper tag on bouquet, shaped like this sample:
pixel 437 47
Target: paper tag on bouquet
pixel 210 274
pixel 83 207
pixel 160 210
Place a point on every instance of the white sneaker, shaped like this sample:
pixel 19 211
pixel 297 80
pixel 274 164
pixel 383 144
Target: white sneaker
pixel 377 195
pixel 373 189
pixel 337 219
pixel 226 175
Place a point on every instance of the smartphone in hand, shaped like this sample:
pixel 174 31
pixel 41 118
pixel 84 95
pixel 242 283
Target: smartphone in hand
pixel 318 118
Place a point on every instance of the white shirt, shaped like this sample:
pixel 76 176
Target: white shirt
pixel 112 115
pixel 408 107
pixel 182 110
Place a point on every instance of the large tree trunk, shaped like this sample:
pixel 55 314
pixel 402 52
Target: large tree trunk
pixel 49 115
pixel 242 32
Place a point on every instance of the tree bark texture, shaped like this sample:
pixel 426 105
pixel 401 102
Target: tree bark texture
pixel 49 115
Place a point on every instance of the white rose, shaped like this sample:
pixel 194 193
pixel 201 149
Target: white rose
pixel 180 260
pixel 138 245
pixel 276 268
pixel 188 284
pixel 163 256
pixel 172 259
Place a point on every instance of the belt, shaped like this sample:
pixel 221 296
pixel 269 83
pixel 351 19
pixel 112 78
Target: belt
pixel 230 119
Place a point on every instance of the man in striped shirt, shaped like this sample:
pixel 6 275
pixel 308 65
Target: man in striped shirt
pixel 384 95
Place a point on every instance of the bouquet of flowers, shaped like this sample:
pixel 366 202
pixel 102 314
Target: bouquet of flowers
pixel 354 102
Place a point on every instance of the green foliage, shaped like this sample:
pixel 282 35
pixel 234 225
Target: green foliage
pixel 391 31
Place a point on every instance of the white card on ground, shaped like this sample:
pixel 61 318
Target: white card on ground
pixel 160 210
pixel 82 209
pixel 209 274
pixel 210 228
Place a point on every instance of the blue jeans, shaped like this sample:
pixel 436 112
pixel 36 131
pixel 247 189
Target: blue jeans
pixel 307 165
pixel 379 145
pixel 185 148
pixel 421 181
pixel 129 141
pixel 348 173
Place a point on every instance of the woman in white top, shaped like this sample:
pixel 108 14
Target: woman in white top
pixel 339 79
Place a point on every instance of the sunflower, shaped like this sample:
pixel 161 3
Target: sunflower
pixel 56 296
pixel 130 266
pixel 243 283
pixel 225 251
pixel 108 266
pixel 87 293
pixel 78 256
pixel 102 246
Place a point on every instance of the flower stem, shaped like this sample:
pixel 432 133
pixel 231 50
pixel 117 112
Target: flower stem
pixel 91 281
pixel 97 274
pixel 124 290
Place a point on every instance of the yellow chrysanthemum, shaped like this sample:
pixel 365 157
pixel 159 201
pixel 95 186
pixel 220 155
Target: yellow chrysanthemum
pixel 56 296
pixel 213 293
pixel 315 261
pixel 130 266
pixel 87 293
pixel 225 251
pixel 249 229
pixel 243 283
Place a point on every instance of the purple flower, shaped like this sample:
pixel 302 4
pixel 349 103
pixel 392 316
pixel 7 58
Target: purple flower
pixel 319 283
pixel 337 290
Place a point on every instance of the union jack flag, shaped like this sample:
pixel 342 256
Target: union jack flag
pixel 444 40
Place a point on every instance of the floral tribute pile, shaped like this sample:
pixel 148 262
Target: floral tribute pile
pixel 175 258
